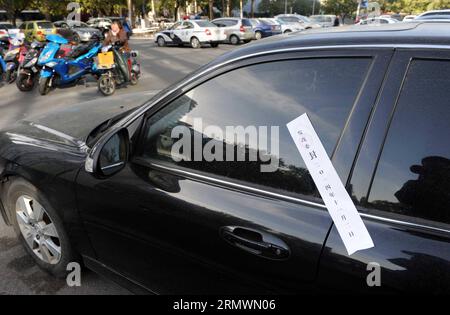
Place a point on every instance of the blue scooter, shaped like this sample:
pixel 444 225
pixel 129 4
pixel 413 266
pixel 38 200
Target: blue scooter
pixel 65 71
pixel 2 69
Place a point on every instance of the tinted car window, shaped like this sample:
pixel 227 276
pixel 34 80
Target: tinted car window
pixel 413 174
pixel 246 22
pixel 44 25
pixel 269 94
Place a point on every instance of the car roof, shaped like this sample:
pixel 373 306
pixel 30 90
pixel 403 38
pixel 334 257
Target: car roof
pixel 387 35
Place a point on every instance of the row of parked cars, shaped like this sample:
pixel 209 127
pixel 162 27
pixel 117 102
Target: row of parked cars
pixel 231 30
pixel 74 31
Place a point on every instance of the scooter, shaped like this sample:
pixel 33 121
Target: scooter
pixel 68 70
pixel 2 69
pixel 13 57
pixel 28 70
pixel 115 69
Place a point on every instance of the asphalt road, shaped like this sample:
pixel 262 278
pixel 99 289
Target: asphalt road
pixel 160 68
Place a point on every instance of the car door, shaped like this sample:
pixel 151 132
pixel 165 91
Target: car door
pixel 232 224
pixel 401 185
pixel 176 33
pixel 187 32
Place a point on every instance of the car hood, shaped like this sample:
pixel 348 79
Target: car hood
pixel 71 126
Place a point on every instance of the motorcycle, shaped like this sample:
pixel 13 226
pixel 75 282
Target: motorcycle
pixel 68 70
pixel 2 69
pixel 116 69
pixel 29 70
pixel 14 56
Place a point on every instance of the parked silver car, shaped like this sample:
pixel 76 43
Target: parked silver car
pixel 76 31
pixel 236 30
pixel 297 18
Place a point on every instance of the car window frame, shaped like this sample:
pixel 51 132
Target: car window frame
pixel 313 54
pixel 378 131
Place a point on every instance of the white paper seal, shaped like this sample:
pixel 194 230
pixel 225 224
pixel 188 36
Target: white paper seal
pixel 346 218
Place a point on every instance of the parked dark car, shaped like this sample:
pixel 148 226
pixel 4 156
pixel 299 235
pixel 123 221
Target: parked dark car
pixel 76 31
pixel 102 186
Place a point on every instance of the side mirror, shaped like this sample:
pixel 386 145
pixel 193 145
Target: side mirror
pixel 109 155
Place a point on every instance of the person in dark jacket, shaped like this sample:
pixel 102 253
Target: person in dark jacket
pixel 117 35
pixel 336 21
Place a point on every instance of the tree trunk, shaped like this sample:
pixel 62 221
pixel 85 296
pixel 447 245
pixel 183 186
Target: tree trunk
pixel 211 10
pixel 228 8
pixel 252 8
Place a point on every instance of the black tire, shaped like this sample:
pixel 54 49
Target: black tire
pixel 161 41
pixel 258 35
pixel 44 86
pixel 106 85
pixel 76 38
pixel 134 78
pixel 10 76
pixel 215 45
pixel 25 81
pixel 287 31
pixel 234 40
pixel 195 43
pixel 19 187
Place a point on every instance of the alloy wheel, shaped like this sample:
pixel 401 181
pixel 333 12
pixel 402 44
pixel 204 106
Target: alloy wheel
pixel 38 230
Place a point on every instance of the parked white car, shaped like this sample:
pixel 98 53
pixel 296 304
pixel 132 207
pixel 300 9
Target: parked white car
pixel 192 32
pixel 409 18
pixel 8 30
pixel 377 21
pixel 287 27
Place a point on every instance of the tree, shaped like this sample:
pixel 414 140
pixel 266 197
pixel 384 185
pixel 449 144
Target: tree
pixel 342 8
pixel 271 7
pixel 14 7
pixel 51 8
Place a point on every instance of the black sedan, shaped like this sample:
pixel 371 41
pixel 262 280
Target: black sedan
pixel 102 184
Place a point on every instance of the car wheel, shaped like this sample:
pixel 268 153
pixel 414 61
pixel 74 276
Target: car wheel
pixel 234 40
pixel 161 41
pixel 258 35
pixel 287 31
pixel 76 38
pixel 195 43
pixel 39 228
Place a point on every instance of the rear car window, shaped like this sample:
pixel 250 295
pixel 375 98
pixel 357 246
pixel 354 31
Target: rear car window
pixel 413 173
pixel 44 25
pixel 205 24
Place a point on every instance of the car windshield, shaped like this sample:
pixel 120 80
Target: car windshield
pixel 205 24
pixel 78 24
pixel 44 25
